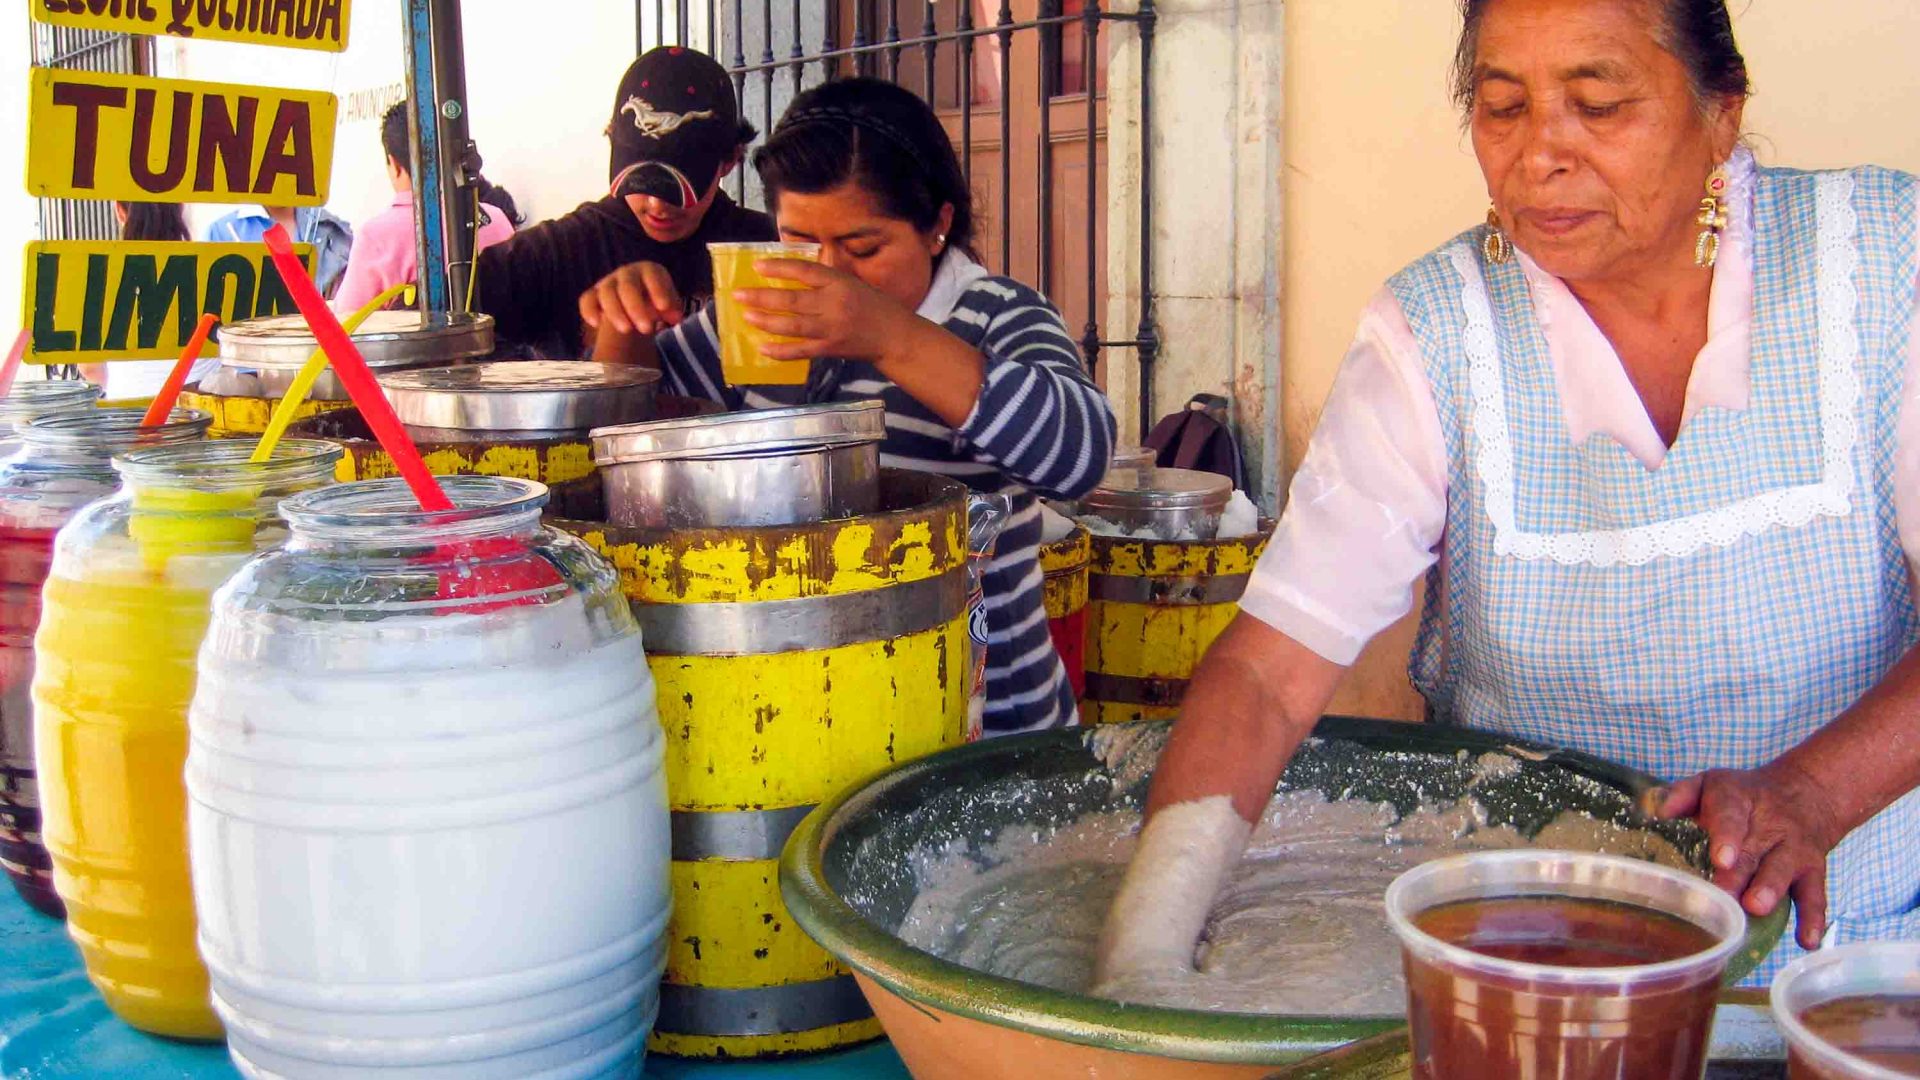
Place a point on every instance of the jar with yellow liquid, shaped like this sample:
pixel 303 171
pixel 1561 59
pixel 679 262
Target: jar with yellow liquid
pixel 63 462
pixel 742 363
pixel 125 608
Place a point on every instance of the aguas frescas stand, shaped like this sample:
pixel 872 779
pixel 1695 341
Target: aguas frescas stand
pixel 337 745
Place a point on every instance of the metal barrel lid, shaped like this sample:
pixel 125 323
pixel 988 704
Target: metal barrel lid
pixel 522 395
pixel 1160 489
pixel 387 339
pixel 807 427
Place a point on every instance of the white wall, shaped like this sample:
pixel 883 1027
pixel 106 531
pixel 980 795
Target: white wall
pixel 19 215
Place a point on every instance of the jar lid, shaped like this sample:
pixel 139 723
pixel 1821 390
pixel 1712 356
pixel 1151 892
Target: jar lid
pixel 1160 489
pixel 805 428
pixel 387 339
pixel 43 396
pixel 522 395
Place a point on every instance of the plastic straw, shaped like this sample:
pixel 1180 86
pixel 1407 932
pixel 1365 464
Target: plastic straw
pixel 354 374
pixel 162 406
pixel 309 373
pixel 12 366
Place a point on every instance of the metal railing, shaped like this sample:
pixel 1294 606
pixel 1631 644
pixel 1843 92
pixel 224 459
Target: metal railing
pixel 777 49
pixel 85 50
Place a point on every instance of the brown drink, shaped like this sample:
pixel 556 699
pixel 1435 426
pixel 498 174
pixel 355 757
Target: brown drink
pixel 1878 1029
pixel 1480 1024
pixel 1560 966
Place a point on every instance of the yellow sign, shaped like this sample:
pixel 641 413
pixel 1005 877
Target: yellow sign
pixel 92 135
pixel 89 301
pixel 301 24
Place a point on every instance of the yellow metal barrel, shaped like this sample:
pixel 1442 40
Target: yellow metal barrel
pixel 791 661
pixel 1155 609
pixel 1067 566
pixel 234 415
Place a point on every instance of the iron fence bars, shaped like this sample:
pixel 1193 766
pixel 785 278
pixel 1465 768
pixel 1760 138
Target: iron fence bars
pixel 960 55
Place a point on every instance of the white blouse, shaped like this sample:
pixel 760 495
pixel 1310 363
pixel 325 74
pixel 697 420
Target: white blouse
pixel 1367 508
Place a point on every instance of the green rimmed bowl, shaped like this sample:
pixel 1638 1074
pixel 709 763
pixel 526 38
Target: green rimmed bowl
pixel 847 877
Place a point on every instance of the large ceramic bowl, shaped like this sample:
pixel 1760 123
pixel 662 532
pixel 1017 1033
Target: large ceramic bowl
pixel 847 876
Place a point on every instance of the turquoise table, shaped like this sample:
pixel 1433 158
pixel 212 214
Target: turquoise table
pixel 52 1025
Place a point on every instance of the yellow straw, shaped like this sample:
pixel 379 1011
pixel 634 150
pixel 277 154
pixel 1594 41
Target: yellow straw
pixel 310 371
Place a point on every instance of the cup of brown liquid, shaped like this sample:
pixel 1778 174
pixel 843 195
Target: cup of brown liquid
pixel 1852 1012
pixel 1555 965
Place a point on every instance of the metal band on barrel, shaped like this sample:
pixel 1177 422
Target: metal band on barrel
pixel 803 625
pixel 760 1010
pixel 735 835
pixel 1127 589
pixel 1129 690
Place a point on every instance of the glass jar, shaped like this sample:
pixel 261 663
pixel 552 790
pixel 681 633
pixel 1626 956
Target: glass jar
pixel 62 464
pixel 124 612
pixel 42 397
pixel 428 816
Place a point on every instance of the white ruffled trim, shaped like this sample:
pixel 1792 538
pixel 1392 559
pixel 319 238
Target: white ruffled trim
pixel 1788 507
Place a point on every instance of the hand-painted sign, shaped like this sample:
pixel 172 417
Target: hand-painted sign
pixel 88 300
pixel 301 24
pixel 92 135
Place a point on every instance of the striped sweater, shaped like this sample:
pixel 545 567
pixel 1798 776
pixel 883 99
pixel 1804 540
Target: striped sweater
pixel 1040 426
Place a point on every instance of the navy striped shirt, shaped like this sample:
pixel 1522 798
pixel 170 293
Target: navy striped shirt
pixel 1040 427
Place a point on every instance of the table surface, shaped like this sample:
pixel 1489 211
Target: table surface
pixel 53 1025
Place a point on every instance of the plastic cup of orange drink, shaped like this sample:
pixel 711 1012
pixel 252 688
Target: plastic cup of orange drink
pixel 742 361
pixel 1852 1012
pixel 1560 965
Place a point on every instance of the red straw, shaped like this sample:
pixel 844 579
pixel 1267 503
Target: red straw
pixel 12 366
pixel 162 406
pixel 354 375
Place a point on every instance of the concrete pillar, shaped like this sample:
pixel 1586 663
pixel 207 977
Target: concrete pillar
pixel 1217 202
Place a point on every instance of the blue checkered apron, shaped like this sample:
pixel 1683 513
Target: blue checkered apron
pixel 1716 611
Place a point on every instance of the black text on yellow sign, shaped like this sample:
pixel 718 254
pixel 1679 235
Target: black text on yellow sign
pixel 90 300
pixel 132 138
pixel 302 24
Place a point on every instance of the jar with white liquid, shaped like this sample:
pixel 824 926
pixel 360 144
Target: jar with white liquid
pixel 427 815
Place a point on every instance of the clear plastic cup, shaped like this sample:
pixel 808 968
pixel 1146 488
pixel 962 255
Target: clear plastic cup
pixel 1474 1014
pixel 1852 1012
pixel 742 361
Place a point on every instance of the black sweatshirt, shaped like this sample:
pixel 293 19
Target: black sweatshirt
pixel 531 284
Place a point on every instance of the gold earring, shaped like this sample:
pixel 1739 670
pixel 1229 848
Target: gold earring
pixel 1712 219
pixel 1495 245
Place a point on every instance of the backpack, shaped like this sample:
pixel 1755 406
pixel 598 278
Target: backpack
pixel 1198 437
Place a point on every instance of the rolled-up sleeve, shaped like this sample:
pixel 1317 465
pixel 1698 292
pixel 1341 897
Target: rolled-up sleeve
pixel 1368 506
pixel 1039 418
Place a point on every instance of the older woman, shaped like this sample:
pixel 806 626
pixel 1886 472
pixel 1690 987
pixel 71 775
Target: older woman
pixel 1648 437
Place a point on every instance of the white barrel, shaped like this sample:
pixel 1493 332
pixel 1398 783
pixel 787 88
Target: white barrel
pixel 425 855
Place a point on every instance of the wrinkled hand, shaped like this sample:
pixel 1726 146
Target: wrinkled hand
pixel 639 298
pixel 1769 831
pixel 835 314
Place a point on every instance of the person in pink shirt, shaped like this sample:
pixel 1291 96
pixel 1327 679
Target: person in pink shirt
pixel 383 246
pixel 1648 444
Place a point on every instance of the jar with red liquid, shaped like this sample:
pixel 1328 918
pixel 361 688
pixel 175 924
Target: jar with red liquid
pixel 1852 1012
pixel 64 462
pixel 1558 965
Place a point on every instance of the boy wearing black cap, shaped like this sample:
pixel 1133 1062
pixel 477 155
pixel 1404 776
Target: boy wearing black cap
pixel 676 132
